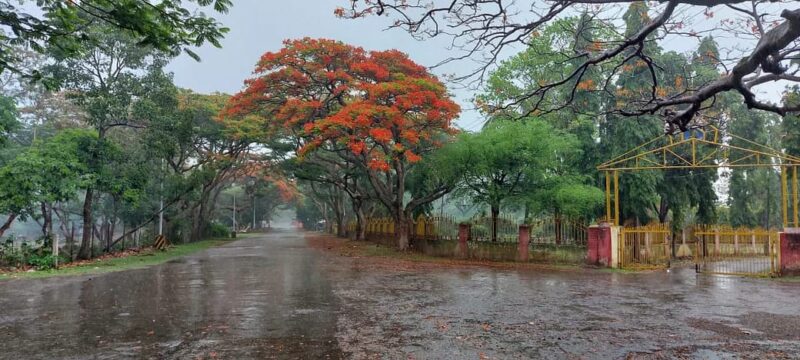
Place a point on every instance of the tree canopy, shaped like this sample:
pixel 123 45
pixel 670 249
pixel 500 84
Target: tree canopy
pixel 378 110
pixel 165 25
pixel 766 50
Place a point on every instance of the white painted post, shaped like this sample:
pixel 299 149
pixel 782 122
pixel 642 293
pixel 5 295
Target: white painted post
pixel 55 250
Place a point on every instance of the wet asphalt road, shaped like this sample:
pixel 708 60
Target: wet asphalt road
pixel 274 297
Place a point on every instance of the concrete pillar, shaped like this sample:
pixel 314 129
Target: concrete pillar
pixel 463 236
pixel 599 246
pixel 789 260
pixel 615 240
pixel 524 240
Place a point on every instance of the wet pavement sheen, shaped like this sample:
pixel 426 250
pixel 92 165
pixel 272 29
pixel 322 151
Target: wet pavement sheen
pixel 272 296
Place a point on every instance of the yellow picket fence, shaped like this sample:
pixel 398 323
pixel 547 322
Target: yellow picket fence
pixel 644 246
pixel 430 228
pixel 736 251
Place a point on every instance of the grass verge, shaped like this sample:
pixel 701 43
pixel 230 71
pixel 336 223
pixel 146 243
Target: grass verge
pixel 145 258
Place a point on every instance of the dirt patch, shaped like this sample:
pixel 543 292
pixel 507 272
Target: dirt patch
pixel 371 255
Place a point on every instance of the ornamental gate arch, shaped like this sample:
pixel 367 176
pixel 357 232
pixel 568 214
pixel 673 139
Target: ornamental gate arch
pixel 719 249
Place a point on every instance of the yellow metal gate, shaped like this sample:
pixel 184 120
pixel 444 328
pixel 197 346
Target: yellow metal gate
pixel 644 247
pixel 737 251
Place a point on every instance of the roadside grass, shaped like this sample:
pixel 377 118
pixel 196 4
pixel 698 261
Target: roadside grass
pixel 145 258
pixel 789 279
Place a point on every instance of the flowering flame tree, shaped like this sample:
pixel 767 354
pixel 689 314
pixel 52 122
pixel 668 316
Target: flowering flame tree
pixel 378 110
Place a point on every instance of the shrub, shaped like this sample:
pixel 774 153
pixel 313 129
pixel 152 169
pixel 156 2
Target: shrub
pixel 10 255
pixel 216 229
pixel 44 262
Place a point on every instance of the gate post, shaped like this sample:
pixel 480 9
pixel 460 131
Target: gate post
pixel 463 236
pixel 524 239
pixel 599 246
pixel 789 252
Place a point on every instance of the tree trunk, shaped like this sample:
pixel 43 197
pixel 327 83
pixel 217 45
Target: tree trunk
pixel 199 218
pixel 111 231
pixel 7 224
pixel 401 227
pixel 341 229
pixel 361 222
pixel 527 213
pixel 558 226
pixel 495 215
pixel 402 233
pixel 337 204
pixel 85 251
pixel 47 222
pixel 663 211
pixel 72 242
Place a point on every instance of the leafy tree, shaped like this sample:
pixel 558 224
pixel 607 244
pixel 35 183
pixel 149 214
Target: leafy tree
pixel 267 194
pixel 379 110
pixel 506 162
pixel 791 124
pixel 114 81
pixel 200 154
pixel 765 50
pixel 165 25
pixel 49 172
pixel 328 168
pixel 308 214
pixel 8 119
pixel 638 190
pixel 542 61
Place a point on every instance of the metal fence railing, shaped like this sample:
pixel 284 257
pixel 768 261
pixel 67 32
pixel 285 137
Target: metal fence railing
pixel 736 251
pixel 558 231
pixel 435 228
pixel 428 228
pixel 483 229
pixel 645 246
pixel 543 231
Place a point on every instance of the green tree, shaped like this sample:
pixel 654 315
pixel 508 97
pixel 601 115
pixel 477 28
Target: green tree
pixel 166 25
pixel 49 172
pixel 8 119
pixel 638 190
pixel 114 81
pixel 507 162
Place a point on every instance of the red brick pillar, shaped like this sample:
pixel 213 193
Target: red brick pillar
pixel 599 245
pixel 790 253
pixel 524 239
pixel 463 236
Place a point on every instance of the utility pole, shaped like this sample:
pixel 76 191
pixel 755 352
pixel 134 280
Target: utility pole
pixel 234 210
pixel 161 202
pixel 254 211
